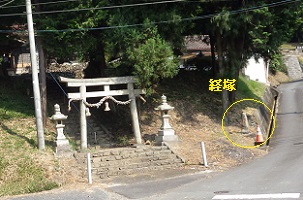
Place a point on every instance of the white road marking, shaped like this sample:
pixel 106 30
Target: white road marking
pixel 259 196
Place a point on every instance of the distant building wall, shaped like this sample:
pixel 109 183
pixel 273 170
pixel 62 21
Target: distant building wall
pixel 21 62
pixel 256 70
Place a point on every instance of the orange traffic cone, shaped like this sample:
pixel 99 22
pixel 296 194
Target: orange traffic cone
pixel 259 138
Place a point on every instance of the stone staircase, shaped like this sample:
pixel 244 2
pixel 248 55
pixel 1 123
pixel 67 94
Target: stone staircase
pixel 294 68
pixel 107 163
pixel 97 134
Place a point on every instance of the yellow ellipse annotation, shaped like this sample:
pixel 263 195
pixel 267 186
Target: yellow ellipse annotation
pixel 243 146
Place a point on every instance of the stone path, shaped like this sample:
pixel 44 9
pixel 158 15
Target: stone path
pixel 293 66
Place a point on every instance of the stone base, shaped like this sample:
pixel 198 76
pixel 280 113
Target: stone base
pixel 166 132
pixel 245 131
pixel 63 147
pixel 62 142
pixel 166 138
pixel 64 151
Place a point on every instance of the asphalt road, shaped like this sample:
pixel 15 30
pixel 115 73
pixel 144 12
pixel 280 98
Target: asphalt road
pixel 278 175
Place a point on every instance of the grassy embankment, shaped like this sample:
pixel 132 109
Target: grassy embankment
pixel 20 171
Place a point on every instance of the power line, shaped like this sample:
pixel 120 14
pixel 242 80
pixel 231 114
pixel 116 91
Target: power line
pixel 46 3
pixel 109 7
pixel 97 8
pixel 66 1
pixel 172 21
pixel 165 21
pixel 7 3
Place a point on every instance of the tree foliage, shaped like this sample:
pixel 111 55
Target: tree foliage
pixel 239 33
pixel 101 36
pixel 152 60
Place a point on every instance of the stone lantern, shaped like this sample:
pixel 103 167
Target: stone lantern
pixel 61 141
pixel 166 132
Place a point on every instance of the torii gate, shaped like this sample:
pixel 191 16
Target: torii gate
pixel 107 93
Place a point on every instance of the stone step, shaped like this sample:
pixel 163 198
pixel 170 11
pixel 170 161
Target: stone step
pixel 132 158
pixel 101 143
pixel 134 163
pixel 134 168
pixel 98 129
pixel 130 171
pixel 114 162
pixel 98 134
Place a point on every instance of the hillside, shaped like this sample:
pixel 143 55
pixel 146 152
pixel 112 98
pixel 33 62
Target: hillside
pixel 196 118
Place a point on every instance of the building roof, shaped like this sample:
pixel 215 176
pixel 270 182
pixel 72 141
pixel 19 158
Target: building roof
pixel 197 43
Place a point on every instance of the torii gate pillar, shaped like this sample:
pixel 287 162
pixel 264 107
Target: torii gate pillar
pixel 134 113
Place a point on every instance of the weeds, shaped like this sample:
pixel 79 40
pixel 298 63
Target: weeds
pixel 123 140
pixel 250 89
pixel 21 175
pixel 3 166
pixel 19 172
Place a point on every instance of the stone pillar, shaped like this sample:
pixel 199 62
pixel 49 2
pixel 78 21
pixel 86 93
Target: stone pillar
pixel 166 132
pixel 245 125
pixel 61 141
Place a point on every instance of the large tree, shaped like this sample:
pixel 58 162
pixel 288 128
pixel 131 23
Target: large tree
pixel 12 19
pixel 242 29
pixel 140 29
pixel 103 30
pixel 70 32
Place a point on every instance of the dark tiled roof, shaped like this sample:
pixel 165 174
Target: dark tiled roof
pixel 197 43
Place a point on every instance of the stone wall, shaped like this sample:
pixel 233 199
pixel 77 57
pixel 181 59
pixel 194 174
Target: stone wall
pixel 263 114
pixel 126 161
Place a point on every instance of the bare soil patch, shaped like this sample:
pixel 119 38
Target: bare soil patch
pixel 278 78
pixel 221 153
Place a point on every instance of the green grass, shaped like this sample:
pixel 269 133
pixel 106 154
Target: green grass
pixel 27 177
pixel 250 89
pixel 288 46
pixel 20 172
pixel 14 103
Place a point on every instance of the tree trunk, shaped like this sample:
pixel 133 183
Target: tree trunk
pixel 232 94
pixel 42 82
pixel 97 64
pixel 213 56
pixel 220 55
pixel 225 99
pixel 236 63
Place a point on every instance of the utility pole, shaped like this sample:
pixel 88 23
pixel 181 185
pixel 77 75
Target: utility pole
pixel 35 79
